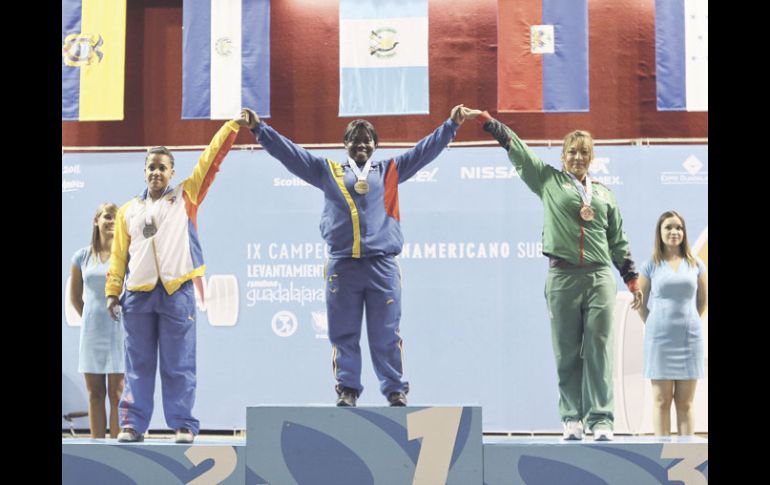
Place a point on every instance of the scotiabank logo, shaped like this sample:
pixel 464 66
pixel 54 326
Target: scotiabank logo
pixel 289 182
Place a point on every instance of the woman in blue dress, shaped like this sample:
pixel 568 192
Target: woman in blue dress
pixel 101 356
pixel 675 286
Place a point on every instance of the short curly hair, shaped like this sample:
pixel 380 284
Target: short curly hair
pixel 360 125
pixel 160 151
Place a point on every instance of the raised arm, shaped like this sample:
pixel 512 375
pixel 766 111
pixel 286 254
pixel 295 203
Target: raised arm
pixel 533 171
pixel 427 149
pixel 197 185
pixel 296 159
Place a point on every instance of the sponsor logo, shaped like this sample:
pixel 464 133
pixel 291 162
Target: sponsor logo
pixel 284 323
pixel 425 176
pixel 487 172
pixel 320 324
pixel 289 182
pixel 693 174
pixel 601 173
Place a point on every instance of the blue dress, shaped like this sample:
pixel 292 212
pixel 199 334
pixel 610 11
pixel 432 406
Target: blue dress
pixel 101 337
pixel 673 337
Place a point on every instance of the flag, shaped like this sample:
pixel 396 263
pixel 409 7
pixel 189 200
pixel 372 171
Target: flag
pixel 542 56
pixel 225 58
pixel 383 57
pixel 93 34
pixel 682 55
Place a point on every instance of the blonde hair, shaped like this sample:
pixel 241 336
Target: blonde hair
pixel 95 234
pixel 575 136
pixel 684 247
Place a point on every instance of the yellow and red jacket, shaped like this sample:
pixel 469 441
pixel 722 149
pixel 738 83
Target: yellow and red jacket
pixel 173 254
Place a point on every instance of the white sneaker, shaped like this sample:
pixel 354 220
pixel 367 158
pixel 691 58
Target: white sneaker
pixel 603 435
pixel 184 435
pixel 129 435
pixel 573 430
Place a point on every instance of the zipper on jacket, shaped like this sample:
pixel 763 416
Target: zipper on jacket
pixel 157 264
pixel 582 238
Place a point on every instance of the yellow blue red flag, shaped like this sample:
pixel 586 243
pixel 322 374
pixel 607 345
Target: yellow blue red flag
pixel 93 36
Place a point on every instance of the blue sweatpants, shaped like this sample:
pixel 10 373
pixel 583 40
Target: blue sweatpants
pixel 374 284
pixel 157 323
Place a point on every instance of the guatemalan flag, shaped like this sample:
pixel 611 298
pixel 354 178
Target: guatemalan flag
pixel 542 60
pixel 682 54
pixel 383 57
pixel 93 34
pixel 225 58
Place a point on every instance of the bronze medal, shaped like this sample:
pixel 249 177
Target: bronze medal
pixel 587 213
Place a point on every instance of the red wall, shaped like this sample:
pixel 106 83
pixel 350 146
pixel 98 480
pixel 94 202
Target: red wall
pixel 463 66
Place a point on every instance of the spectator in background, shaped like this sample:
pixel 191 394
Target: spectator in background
pixel 101 338
pixel 674 286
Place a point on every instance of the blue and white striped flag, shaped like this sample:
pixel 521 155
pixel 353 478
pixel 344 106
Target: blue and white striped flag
pixel 225 58
pixel 383 57
pixel 682 55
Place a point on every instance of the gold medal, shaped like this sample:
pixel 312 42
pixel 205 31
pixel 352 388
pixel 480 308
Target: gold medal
pixel 361 187
pixel 587 213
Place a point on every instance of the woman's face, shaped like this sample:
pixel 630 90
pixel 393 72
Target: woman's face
pixel 577 158
pixel 360 146
pixel 672 231
pixel 106 223
pixel 158 172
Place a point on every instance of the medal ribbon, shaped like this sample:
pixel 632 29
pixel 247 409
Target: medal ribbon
pixel 586 193
pixel 361 174
pixel 151 210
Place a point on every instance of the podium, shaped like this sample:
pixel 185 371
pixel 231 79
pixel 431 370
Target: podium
pixel 413 445
pixel 154 461
pixel 626 460
pixel 364 445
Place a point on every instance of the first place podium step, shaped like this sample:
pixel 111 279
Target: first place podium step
pixel 364 445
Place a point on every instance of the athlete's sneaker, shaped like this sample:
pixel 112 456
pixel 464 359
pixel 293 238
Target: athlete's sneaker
pixel 129 435
pixel 573 430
